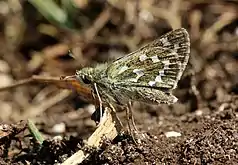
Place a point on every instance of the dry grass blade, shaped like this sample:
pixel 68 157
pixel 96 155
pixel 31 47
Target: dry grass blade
pixel 35 132
pixel 210 34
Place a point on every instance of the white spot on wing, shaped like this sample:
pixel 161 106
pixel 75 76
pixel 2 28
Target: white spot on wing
pixel 143 57
pixel 152 83
pixel 165 41
pixel 175 99
pixel 123 69
pixel 154 59
pixel 166 64
pixel 176 47
pixel 139 73
pixel 161 73
pixel 157 79
pixel 173 53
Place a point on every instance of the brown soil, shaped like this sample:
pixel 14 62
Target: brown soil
pixel 206 115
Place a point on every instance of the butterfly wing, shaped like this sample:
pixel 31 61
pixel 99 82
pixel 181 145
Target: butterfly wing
pixel 159 64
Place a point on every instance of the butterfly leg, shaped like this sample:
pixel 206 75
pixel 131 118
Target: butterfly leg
pixel 134 132
pixel 114 113
pixel 100 101
pixel 131 122
pixel 130 116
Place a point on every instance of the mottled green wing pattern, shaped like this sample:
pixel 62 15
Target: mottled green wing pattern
pixel 159 64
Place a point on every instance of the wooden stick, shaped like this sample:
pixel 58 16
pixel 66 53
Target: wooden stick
pixel 109 128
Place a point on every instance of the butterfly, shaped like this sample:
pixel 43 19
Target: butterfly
pixel 148 74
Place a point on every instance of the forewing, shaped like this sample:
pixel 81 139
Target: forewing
pixel 159 64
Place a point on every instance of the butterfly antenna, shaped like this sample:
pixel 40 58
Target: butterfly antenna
pixel 67 77
pixel 70 53
pixel 76 56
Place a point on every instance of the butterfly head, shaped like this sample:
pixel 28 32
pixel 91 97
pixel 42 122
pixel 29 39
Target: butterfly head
pixel 85 75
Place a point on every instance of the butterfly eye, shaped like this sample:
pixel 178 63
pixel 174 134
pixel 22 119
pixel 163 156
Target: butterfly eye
pixel 86 80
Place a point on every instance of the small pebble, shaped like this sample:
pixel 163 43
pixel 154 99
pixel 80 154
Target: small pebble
pixel 90 108
pixel 172 134
pixel 199 112
pixel 59 128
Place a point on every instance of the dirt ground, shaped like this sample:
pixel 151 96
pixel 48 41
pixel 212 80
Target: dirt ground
pixel 203 124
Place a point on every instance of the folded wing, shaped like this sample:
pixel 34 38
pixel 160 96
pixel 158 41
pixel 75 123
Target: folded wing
pixel 159 64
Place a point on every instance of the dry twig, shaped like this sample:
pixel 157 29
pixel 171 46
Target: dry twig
pixel 109 128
